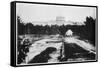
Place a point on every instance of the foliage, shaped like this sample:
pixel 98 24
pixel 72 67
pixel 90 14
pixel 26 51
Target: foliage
pixel 86 31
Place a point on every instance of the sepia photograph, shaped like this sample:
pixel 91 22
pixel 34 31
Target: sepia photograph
pixel 50 33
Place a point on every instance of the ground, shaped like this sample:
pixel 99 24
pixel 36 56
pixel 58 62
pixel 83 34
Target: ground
pixel 42 42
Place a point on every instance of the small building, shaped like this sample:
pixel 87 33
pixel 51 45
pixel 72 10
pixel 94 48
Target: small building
pixel 69 32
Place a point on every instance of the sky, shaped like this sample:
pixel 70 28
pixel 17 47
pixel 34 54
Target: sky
pixel 44 13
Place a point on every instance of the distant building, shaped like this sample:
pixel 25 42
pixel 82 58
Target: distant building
pixel 60 18
pixel 69 33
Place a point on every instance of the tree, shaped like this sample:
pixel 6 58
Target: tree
pixel 21 26
pixel 29 28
